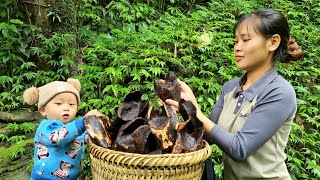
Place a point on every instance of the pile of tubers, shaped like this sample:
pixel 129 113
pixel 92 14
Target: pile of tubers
pixel 141 129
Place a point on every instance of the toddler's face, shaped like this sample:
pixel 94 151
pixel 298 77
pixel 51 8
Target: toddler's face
pixel 62 107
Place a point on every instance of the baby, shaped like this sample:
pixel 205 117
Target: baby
pixel 59 139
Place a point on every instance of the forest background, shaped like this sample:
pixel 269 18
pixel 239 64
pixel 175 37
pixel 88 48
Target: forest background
pixel 115 47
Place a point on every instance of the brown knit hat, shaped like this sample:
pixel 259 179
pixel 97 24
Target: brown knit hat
pixel 45 93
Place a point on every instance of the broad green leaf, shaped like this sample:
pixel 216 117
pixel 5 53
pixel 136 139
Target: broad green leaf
pixel 16 21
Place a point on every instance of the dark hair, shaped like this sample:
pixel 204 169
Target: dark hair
pixel 272 22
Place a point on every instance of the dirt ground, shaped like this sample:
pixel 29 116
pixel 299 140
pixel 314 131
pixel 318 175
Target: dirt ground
pixel 18 174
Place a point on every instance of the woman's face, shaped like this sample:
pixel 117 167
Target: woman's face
pixel 251 48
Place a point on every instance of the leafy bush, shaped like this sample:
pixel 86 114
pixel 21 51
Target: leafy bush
pixel 198 47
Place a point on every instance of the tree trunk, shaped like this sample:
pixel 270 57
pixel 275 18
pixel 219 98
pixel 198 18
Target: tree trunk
pixel 60 16
pixel 36 13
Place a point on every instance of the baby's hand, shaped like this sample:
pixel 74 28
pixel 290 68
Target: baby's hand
pixel 94 112
pixel 86 138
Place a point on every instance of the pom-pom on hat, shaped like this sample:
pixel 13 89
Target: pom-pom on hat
pixel 45 93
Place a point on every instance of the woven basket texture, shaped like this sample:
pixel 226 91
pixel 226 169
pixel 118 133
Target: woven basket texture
pixel 117 165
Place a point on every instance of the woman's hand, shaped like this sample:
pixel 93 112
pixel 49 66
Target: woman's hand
pixel 186 94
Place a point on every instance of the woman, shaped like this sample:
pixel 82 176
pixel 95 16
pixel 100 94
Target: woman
pixel 251 121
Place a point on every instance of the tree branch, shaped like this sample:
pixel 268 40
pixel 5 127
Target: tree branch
pixel 19 116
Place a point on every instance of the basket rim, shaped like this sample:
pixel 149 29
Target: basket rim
pixel 135 159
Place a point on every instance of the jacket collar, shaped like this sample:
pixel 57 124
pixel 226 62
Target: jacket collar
pixel 257 87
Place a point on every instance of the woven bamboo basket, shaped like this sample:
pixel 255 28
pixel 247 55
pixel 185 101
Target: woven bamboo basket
pixel 110 164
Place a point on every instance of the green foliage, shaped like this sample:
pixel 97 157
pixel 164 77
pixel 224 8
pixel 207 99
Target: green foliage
pixel 17 153
pixel 15 37
pixel 7 154
pixel 186 6
pixel 13 126
pixel 15 139
pixel 23 127
pixel 303 147
pixel 28 57
pixel 127 45
pixel 15 143
pixel 19 130
pixel 3 137
pixel 86 165
pixel 198 48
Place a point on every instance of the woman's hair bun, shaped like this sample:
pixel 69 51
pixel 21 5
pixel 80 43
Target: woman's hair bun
pixel 294 51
